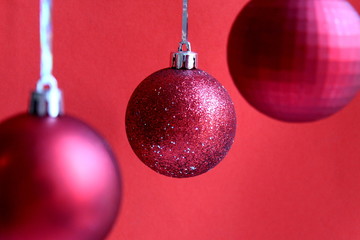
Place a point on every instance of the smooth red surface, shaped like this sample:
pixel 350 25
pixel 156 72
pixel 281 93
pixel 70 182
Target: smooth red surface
pixel 296 61
pixel 279 181
pixel 58 180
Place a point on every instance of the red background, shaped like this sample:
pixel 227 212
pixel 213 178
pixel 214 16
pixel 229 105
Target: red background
pixel 279 182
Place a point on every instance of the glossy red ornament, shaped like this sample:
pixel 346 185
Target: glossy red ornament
pixel 294 60
pixel 180 123
pixel 58 180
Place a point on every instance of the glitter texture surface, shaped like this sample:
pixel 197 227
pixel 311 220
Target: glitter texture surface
pixel 180 123
pixel 294 60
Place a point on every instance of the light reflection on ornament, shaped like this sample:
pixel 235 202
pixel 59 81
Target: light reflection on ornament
pixel 60 181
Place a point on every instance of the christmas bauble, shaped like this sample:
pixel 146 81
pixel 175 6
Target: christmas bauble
pixel 294 60
pixel 58 180
pixel 180 122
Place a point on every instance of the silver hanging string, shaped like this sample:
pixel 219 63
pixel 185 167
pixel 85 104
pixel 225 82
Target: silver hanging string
pixel 184 33
pixel 46 62
pixel 184 58
pixel 185 17
pixel 46 100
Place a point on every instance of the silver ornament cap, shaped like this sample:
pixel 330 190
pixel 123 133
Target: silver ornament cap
pixel 47 99
pixel 184 59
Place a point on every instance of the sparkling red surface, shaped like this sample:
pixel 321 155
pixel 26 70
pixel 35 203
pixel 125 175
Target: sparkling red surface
pixel 58 180
pixel 296 60
pixel 180 123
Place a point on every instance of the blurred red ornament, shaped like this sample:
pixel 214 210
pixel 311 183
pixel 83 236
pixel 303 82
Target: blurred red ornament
pixel 180 122
pixel 296 61
pixel 58 180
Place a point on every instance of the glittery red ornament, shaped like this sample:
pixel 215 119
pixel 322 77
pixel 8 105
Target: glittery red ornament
pixel 294 60
pixel 180 122
pixel 58 180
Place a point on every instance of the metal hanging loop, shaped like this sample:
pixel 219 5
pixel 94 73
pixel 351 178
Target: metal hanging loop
pixel 184 59
pixel 46 100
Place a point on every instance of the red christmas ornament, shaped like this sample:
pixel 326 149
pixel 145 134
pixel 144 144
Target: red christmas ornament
pixel 180 122
pixel 296 61
pixel 58 180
